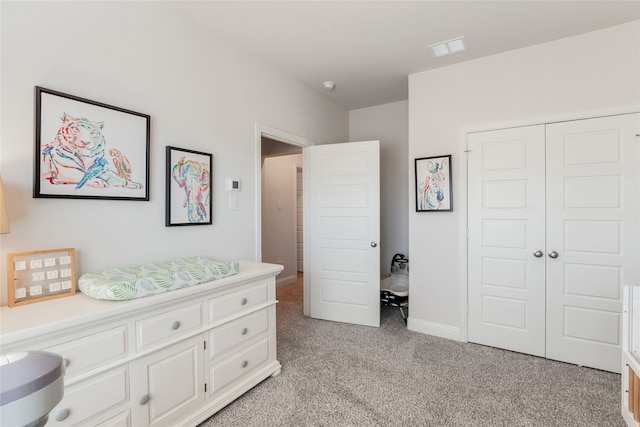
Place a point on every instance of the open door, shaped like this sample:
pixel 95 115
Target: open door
pixel 342 231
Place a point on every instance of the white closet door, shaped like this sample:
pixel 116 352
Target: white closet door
pixel 506 289
pixel 592 226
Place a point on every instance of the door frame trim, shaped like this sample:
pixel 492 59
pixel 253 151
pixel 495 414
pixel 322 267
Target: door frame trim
pixel 296 205
pixel 262 130
pixel 463 177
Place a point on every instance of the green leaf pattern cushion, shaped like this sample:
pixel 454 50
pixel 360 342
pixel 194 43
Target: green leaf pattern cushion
pixel 139 281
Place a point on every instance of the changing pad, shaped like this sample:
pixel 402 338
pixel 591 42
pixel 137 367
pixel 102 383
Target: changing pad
pixel 139 281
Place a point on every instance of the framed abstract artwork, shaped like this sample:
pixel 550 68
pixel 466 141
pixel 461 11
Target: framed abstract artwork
pixel 433 184
pixel 89 150
pixel 188 183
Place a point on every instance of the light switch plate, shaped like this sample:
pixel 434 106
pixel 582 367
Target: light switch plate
pixel 233 202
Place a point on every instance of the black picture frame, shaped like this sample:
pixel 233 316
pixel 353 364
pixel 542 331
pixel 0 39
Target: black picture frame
pixel 434 190
pixel 188 187
pixel 89 150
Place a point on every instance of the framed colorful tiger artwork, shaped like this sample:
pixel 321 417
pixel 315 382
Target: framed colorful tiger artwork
pixel 89 150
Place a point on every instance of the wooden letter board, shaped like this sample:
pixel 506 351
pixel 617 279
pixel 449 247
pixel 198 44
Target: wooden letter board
pixel 40 275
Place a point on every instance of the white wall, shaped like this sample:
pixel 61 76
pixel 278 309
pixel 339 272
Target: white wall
pixel 201 95
pixel 279 242
pixel 389 124
pixel 585 72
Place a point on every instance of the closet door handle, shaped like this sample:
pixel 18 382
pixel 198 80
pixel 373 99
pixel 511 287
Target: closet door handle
pixel 538 253
pixel 374 244
pixel 553 254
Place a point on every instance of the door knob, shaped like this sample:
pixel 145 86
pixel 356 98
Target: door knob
pixel 538 253
pixel 553 254
pixel 374 244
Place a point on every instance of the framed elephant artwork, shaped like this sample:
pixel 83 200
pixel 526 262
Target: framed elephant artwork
pixel 188 198
pixel 89 150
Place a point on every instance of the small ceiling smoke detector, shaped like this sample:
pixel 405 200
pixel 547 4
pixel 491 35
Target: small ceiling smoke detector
pixel 328 85
pixel 449 47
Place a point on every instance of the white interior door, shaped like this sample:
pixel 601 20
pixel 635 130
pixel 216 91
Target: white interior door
pixel 506 292
pixel 592 235
pixel 341 231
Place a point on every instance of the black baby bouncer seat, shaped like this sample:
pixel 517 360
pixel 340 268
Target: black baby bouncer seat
pixel 394 289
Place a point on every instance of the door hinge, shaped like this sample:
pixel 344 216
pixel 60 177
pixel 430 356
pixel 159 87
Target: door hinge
pixel 205 387
pixel 205 345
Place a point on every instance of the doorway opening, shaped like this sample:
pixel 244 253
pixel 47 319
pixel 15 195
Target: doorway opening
pixel 280 207
pixel 279 227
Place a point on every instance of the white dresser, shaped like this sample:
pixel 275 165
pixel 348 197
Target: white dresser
pixel 172 359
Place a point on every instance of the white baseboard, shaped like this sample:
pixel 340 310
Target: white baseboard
pixel 436 329
pixel 282 281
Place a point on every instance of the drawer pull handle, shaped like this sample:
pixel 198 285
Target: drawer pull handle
pixel 244 331
pixel 62 415
pixel 175 325
pixel 243 301
pixel 245 364
pixel 144 399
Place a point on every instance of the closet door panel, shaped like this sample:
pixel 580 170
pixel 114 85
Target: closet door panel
pixel 506 288
pixel 592 225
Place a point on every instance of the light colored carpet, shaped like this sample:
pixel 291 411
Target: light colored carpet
pixel 336 374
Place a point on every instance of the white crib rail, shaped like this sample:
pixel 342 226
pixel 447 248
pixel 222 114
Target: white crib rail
pixel 631 356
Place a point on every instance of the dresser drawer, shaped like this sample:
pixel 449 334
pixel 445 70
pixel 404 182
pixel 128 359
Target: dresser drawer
pixel 239 365
pixel 169 325
pixel 121 420
pixel 236 302
pixel 237 332
pixel 92 351
pixel 90 397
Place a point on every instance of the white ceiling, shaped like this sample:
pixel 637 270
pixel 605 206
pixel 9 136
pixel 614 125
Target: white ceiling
pixel 370 47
